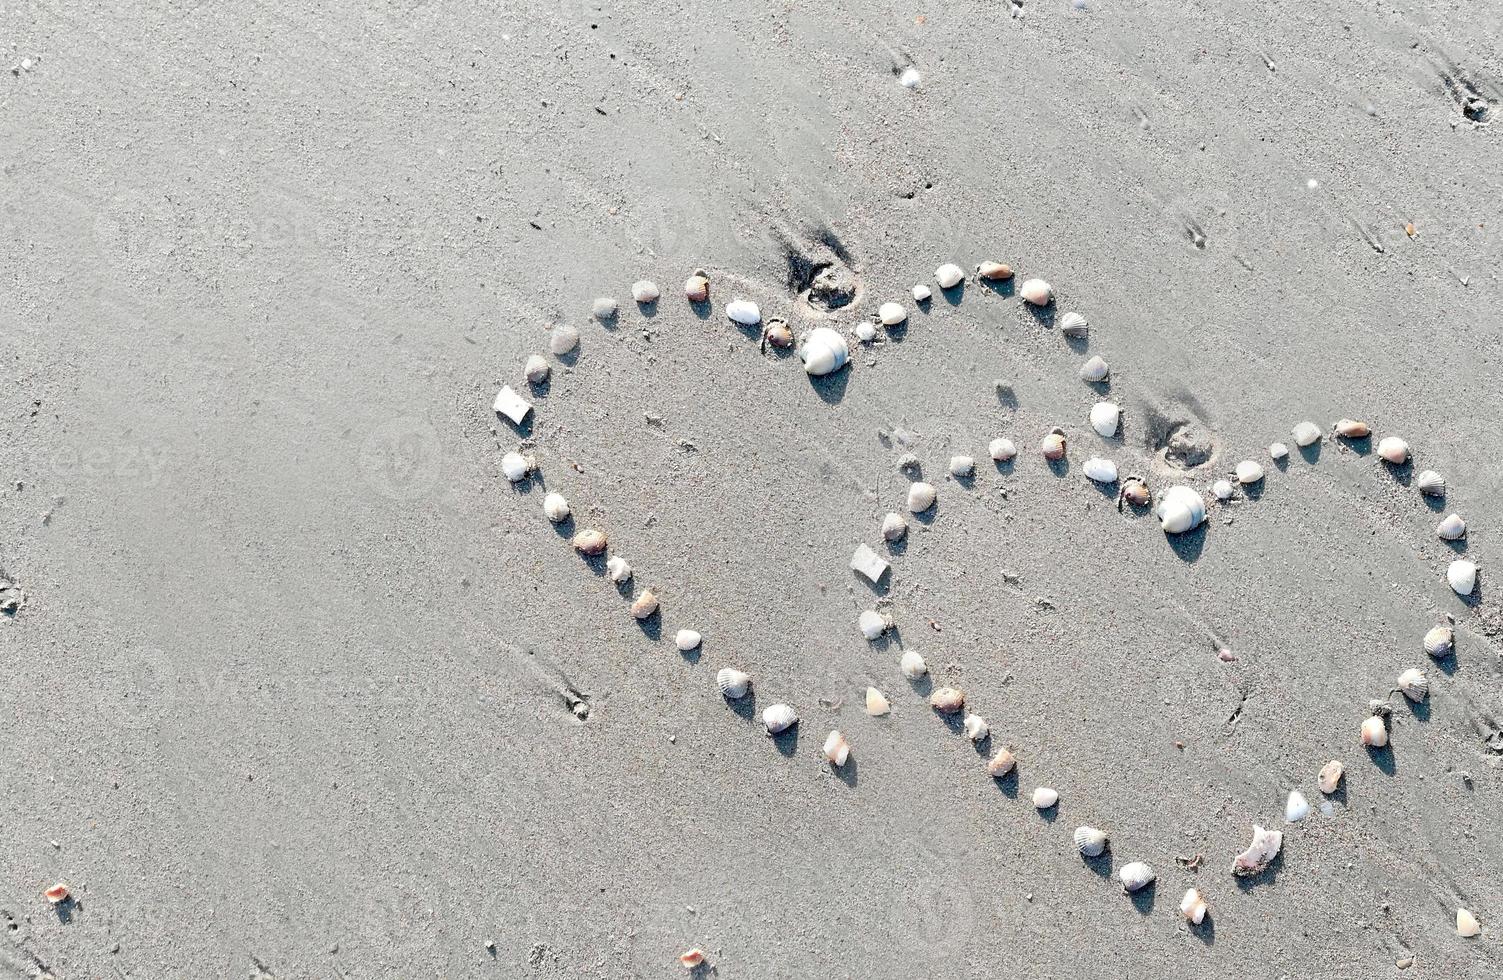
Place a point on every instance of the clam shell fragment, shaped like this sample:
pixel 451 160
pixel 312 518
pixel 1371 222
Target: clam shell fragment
pixel 744 312
pixel 1330 776
pixel 869 563
pixel 1193 907
pixel 912 665
pixel 1002 449
pixel 891 314
pixel 1249 472
pixel 1351 429
pixel 976 728
pixel 778 718
pixel 836 749
pixel 515 466
pixel 1090 841
pixel 1002 763
pixel 947 700
pixel 1277 451
pixel 1135 876
pixel 1306 434
pixel 734 683
pixel 645 291
pixel 556 508
pixel 877 704
pixel 645 604
pixel 1222 490
pixel 873 624
pixel 618 569
pixel 866 331
pixel 994 271
pixel 1259 854
pixel 1394 450
pixel 1296 808
pixel 824 351
pixel 1105 417
pixel 511 405
pixel 1100 470
pixel 1466 924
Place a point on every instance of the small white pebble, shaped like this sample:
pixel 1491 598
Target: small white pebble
pixel 910 78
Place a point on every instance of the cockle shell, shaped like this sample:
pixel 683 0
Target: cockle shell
pixel 1181 509
pixel 1090 841
pixel 744 312
pixel 976 728
pixel 645 604
pixel 1135 876
pixel 949 275
pixel 1053 446
pixel 1306 434
pixel 511 405
pixel 1414 684
pixel 536 370
pixel 921 293
pixel 1462 576
pixel 734 683
pixel 562 339
pixel 57 894
pixel 645 291
pixel 1100 470
pixel 824 351
pixel 1193 907
pixel 873 624
pixel 687 640
pixel 1351 429
pixel 1135 491
pixel 589 541
pixel 1001 763
pixel 877 704
pixel 1394 450
pixel 893 527
pixel 1259 854
pixel 778 718
pixel 962 465
pixel 1249 471
pixel 1374 732
pixel 1330 776
pixel 947 700
pixel 1222 490
pixel 1467 925
pixel 1002 449
pixel 1044 797
pixel 1453 528
pixel 1104 418
pixel 891 314
pixel 1072 324
pixel 1277 450
pixel 1431 484
pixel 869 563
pixel 836 749
pixel 1095 369
pixel 1296 808
pixel 556 508
pixel 994 271
pixel 692 959
pixel 515 466
pixel 1440 641
pixel 866 331
pixel 920 497
pixel 1036 291
pixel 619 569
pixel 603 308
pixel 697 287
pixel 912 665
pixel 778 334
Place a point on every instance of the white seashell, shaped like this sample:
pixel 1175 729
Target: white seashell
pixel 1001 764
pixel 1414 684
pixel 1222 489
pixel 1002 450
pixel 734 683
pixel 962 465
pixel 1090 841
pixel 920 497
pixel 512 405
pixel 1296 808
pixel 562 339
pixel 1462 575
pixel 824 351
pixel 866 331
pixel 618 569
pixel 877 704
pixel 589 542
pixel 1431 484
pixel 921 293
pixel 912 665
pixel 645 291
pixel 1100 470
pixel 1374 732
pixel 1259 854
pixel 536 370
pixel 1306 434
pixel 778 718
pixel 744 312
pixel 1104 418
pixel 556 507
pixel 1330 776
pixel 1095 369
pixel 1466 924
pixel 687 640
pixel 868 563
pixel 645 604
pixel 603 308
pixel 1180 509
pixel 1136 875
pixel 836 749
pixel 1072 324
pixel 1277 450
pixel 947 700
pixel 1440 641
pixel 976 728
pixel 1044 798
pixel 1249 471
pixel 873 624
pixel 515 466
pixel 1036 291
pixel 893 527
pixel 1193 907
pixel 891 314
pixel 949 275
pixel 1394 450
pixel 910 79
pixel 1453 528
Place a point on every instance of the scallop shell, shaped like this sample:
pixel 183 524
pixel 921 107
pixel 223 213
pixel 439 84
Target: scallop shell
pixel 877 704
pixel 1440 641
pixel 1431 484
pixel 1277 451
pixel 687 640
pixel 962 466
pixel 734 683
pixel 891 314
pixel 824 351
pixel 604 308
pixel 893 527
pixel 949 275
pixel 515 466
pixel 1001 763
pixel 511 405
pixel 947 700
pixel 778 718
pixel 1222 490
pixel 1135 876
pixel 921 293
pixel 1135 491
pixel 873 624
pixel 976 728
pixel 536 370
pixel 1090 841
pixel 1306 434
pixel 1095 369
pixel 836 749
pixel 1259 854
pixel 1453 528
pixel 1104 418
pixel 618 569
pixel 645 291
pixel 1100 470
pixel 1036 291
pixel 744 312
pixel 1330 776
pixel 1352 429
pixel 1072 324
pixel 1002 449
pixel 1181 509
pixel 1374 732
pixel 645 604
pixel 1466 924
pixel 589 541
pixel 1193 907
pixel 1462 576
pixel 1394 450
pixel 1053 447
pixel 697 288
pixel 1044 797
pixel 1249 471
pixel 556 508
pixel 994 271
pixel 1414 685
pixel 562 339
pixel 912 665
pixel 1296 808
pixel 920 497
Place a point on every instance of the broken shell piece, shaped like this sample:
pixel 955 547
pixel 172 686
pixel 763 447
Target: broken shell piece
pixel 744 312
pixel 1374 732
pixel 836 749
pixel 1414 684
pixel 1431 484
pixel 910 79
pixel 1330 776
pixel 645 291
pixel 1001 763
pixel 1248 472
pixel 1135 876
pixel 949 275
pixel 1193 907
pixel 866 331
pixel 687 640
pixel 562 339
pixel 778 718
pixel 1352 429
pixel 1135 491
pixel 893 527
pixel 603 308
pixel 920 497
pixel 921 293
pixel 733 683
pixel 1462 576
pixel 1394 450
pixel 1259 854
pixel 877 704
pixel 1094 370
pixel 1036 291
pixel 1181 509
pixel 873 624
pixel 511 405
pixel 57 894
pixel 947 700
pixel 1002 450
pixel 515 466
pixel 1440 641
pixel 1090 841
pixel 1306 433
pixel 1277 450
pixel 645 604
pixel 589 541
pixel 868 563
pixel 778 334
pixel 1104 418
pixel 1466 924
pixel 976 728
pixel 692 959
pixel 1453 528
pixel 908 462
pixel 1296 808
pixel 824 351
pixel 1222 489
pixel 1100 470
pixel 1072 324
pixel 536 370
pixel 912 665
pixel 697 287
pixel 1044 798
pixel 1053 446
pixel 962 466
pixel 994 271
pixel 891 314
pixel 556 507
pixel 618 569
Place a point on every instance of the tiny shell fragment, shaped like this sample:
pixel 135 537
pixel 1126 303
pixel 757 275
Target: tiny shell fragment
pixel 869 563
pixel 511 405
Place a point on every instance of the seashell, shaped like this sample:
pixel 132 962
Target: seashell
pixel 836 749
pixel 618 569
pixel 891 314
pixel 893 527
pixel 778 334
pixel 697 287
pixel 866 331
pixel 1135 491
pixel 1374 732
pixel 1053 446
pixel 920 497
pixel 1306 434
pixel 1462 575
pixel 515 466
pixel 1330 776
pixel 947 700
pixel 744 312
pixel 778 718
pixel 1180 509
pixel 556 507
pixel 645 291
pixel 1135 876
pixel 562 339
pixel 1036 291
pixel 1249 472
pixel 1352 429
pixel 976 728
pixel 1095 369
pixel 645 604
pixel 908 461
pixel 1100 470
pixel 1453 528
pixel 962 466
pixel 536 370
pixel 1296 808
pixel 1414 685
pixel 1044 798
pixel 1431 484
pixel 921 293
pixel 877 704
pixel 687 640
pixel 1277 450
pixel 1001 763
pixel 1090 841
pixel 868 563
pixel 1440 641
pixel 57 894
pixel 910 79
pixel 1104 418
pixel 1259 854
pixel 912 665
pixel 1072 324
pixel 824 351
pixel 692 959
pixel 1394 450
pixel 873 624
pixel 1193 907
pixel 589 541
pixel 604 308
pixel 1466 924
pixel 1002 450
pixel 1222 490
pixel 949 275
pixel 734 683
pixel 994 271
pixel 511 405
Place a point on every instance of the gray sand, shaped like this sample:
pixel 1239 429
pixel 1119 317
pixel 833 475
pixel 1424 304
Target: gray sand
pixel 291 687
